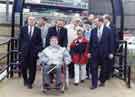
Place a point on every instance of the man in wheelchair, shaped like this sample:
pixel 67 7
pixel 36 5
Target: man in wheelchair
pixel 52 58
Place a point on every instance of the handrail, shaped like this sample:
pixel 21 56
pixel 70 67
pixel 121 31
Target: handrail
pixel 6 68
pixel 3 70
pixel 4 43
pixel 126 69
pixel 5 56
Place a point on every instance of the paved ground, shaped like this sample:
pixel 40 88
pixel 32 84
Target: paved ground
pixel 4 39
pixel 114 88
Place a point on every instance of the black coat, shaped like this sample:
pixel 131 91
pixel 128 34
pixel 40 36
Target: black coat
pixel 62 36
pixel 30 46
pixel 116 36
pixel 105 46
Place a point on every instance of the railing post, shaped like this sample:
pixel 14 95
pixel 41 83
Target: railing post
pixel 129 77
pixel 125 61
pixel 8 58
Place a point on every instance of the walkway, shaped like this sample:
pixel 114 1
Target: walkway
pixel 114 88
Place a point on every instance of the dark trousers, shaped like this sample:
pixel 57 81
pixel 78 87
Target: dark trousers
pixel 110 68
pixel 29 69
pixel 97 61
pixel 71 70
pixel 88 68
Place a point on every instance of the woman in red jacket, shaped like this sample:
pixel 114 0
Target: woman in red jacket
pixel 79 52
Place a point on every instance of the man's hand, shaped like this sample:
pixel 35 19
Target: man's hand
pixel 111 56
pixel 89 55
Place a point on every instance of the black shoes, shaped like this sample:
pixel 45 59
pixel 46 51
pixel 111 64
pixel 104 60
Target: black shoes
pixel 25 83
pixel 76 84
pixel 82 81
pixel 46 91
pixel 93 87
pixel 29 86
pixel 102 85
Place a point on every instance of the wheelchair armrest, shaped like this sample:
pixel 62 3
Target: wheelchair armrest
pixel 53 67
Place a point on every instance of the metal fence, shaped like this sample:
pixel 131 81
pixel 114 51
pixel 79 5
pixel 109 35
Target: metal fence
pixel 4 60
pixel 121 67
pixel 9 60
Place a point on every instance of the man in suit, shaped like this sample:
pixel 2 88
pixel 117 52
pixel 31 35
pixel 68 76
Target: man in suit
pixel 30 43
pixel 44 25
pixel 101 44
pixel 108 23
pixel 59 31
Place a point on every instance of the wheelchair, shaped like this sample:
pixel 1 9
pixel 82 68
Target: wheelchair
pixel 52 76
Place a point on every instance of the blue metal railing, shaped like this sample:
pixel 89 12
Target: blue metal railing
pixel 123 68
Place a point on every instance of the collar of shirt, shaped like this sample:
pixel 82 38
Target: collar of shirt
pixel 101 28
pixel 108 24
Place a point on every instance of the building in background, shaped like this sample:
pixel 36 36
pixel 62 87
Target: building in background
pixel 57 7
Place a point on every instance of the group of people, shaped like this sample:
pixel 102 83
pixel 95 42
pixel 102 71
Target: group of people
pixel 83 45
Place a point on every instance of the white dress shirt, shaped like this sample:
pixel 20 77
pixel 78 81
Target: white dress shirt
pixel 30 30
pixel 100 32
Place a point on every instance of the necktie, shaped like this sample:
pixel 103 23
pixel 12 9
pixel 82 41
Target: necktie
pixel 30 32
pixel 58 31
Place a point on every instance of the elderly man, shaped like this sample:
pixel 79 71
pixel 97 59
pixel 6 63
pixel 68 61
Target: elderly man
pixel 30 43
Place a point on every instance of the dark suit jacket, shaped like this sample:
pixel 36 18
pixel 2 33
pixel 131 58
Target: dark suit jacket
pixel 105 46
pixel 29 45
pixel 116 36
pixel 62 36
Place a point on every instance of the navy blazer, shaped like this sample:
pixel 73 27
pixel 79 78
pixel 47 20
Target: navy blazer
pixel 30 44
pixel 116 36
pixel 105 46
pixel 62 36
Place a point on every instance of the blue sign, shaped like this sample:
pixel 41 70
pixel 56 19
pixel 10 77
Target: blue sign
pixel 117 4
pixel 18 5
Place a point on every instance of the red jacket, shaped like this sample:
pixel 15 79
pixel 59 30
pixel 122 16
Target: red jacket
pixel 79 50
